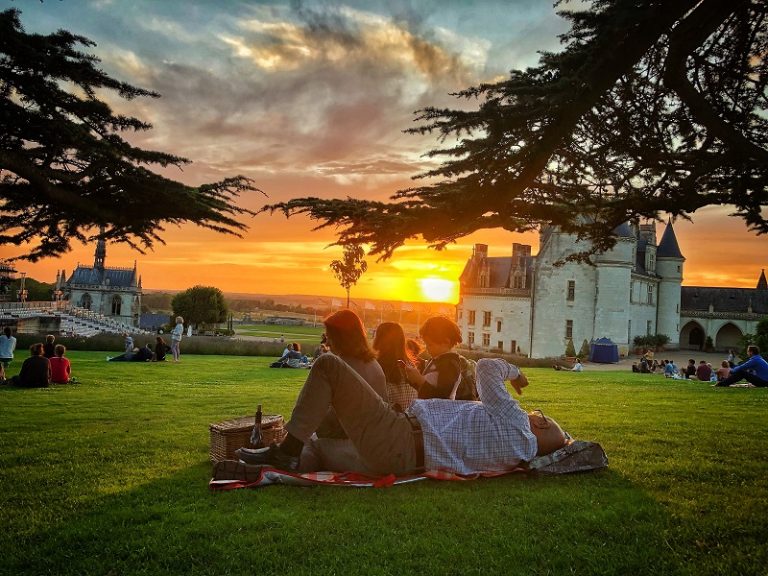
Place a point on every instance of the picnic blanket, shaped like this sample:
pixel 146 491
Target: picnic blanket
pixel 577 456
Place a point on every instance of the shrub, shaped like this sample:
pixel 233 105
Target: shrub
pixel 570 351
pixel 584 350
pixel 211 345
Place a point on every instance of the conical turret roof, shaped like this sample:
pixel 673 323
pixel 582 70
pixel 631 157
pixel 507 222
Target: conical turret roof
pixel 762 284
pixel 668 247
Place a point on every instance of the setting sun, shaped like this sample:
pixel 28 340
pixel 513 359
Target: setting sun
pixel 437 289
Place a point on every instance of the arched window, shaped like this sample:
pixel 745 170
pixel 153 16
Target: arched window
pixel 117 303
pixel 85 301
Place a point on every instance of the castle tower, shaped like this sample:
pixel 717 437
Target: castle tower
pixel 762 283
pixel 613 275
pixel 669 267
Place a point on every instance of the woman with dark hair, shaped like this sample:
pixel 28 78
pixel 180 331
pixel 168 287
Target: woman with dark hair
pixel 330 448
pixel 35 371
pixel 49 349
pixel 441 376
pixel 393 356
pixel 161 349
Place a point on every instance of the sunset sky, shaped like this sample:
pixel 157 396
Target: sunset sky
pixel 311 98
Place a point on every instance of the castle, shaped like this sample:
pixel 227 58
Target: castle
pixel 534 305
pixel 113 292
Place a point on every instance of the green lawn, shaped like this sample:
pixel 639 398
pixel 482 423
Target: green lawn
pixel 307 336
pixel 110 477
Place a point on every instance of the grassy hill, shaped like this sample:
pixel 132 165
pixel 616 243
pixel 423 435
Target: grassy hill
pixel 110 477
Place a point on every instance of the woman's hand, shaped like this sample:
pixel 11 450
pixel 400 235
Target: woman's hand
pixel 412 374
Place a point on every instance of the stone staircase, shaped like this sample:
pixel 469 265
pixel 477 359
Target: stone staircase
pixel 73 321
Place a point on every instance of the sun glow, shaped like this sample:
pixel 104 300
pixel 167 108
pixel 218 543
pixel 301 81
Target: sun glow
pixel 437 289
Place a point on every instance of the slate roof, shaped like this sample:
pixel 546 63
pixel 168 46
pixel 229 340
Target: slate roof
pixel 499 268
pixel 668 247
pixel 697 298
pixel 122 278
pixel 623 231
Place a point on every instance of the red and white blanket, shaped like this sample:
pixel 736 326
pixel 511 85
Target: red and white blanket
pixel 271 476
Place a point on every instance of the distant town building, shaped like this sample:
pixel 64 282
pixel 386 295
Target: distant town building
pixel 534 305
pixel 113 292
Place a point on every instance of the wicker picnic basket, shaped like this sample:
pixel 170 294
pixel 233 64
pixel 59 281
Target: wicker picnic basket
pixel 228 436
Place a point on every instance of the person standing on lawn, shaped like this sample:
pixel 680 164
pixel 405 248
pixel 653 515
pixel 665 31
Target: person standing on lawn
pixel 176 335
pixel 754 370
pixel 494 434
pixel 7 346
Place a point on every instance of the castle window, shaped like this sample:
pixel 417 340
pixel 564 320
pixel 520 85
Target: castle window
pixel 648 327
pixel 571 290
pixel 85 301
pixel 650 293
pixel 486 340
pixel 117 303
pixel 471 320
pixel 500 345
pixel 471 338
pixel 569 328
pixel 631 291
pixel 498 325
pixel 486 319
pixel 518 282
pixel 651 263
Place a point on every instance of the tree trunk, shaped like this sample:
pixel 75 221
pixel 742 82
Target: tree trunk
pixel 347 298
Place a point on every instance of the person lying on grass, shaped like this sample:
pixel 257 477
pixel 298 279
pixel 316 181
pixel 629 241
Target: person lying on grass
pixel 463 437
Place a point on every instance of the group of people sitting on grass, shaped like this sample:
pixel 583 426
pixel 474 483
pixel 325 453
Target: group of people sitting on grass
pixel 754 370
pixel 144 353
pixel 378 408
pixel 39 370
pixel 292 357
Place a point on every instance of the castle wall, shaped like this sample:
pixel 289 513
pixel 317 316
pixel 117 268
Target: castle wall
pixel 509 321
pixel 555 310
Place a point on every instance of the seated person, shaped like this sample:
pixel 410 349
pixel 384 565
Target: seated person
pixel 61 369
pixel 670 370
pixel 690 370
pixel 724 371
pixel 49 350
pixel 704 371
pixel 754 370
pixel 494 434
pixel 392 355
pixel 294 357
pixel 161 349
pixel 330 448
pixel 35 371
pixel 441 375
